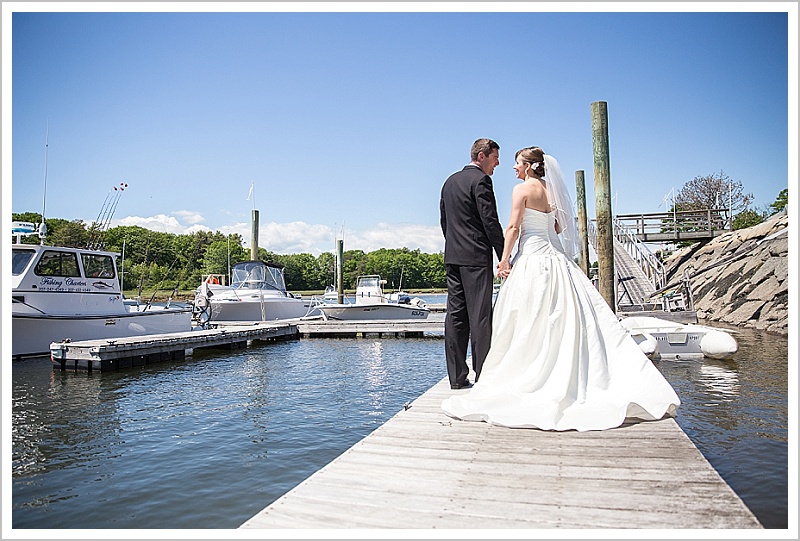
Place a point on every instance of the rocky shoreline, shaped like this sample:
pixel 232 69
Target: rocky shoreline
pixel 741 277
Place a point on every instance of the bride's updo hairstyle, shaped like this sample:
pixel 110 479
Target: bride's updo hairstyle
pixel 533 155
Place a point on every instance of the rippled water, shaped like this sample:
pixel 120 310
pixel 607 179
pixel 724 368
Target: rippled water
pixel 209 442
pixel 736 413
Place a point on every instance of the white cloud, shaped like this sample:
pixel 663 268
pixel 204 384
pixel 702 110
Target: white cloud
pixel 189 217
pixel 301 237
pixel 159 222
pixel 426 238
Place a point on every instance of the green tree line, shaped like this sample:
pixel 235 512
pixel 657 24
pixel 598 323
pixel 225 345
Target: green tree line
pixel 163 261
pixel 166 261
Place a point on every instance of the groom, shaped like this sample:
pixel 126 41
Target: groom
pixel 468 214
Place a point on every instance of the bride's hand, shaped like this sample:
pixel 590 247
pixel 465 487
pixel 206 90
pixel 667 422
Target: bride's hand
pixel 503 268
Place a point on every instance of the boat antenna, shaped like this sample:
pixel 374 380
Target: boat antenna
pixel 42 226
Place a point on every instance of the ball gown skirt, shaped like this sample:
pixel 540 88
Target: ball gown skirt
pixel 559 358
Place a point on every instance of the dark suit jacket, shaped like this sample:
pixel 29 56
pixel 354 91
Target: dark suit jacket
pixel 468 214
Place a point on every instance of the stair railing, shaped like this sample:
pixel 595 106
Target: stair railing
pixel 647 260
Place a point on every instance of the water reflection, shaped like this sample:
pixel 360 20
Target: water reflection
pixel 208 442
pixel 721 379
pixel 160 441
pixel 736 413
pixel 50 427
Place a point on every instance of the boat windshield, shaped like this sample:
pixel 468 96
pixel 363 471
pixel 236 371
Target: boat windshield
pixel 369 281
pixel 98 266
pixel 58 263
pixel 20 260
pixel 254 275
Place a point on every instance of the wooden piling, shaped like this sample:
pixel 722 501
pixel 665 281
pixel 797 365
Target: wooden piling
pixel 580 184
pixel 340 271
pixel 254 236
pixel 602 192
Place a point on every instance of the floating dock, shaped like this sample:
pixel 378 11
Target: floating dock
pixel 422 469
pixel 115 353
pixel 685 317
pixel 320 328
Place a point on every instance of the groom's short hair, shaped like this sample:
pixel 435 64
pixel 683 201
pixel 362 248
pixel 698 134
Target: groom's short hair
pixel 482 145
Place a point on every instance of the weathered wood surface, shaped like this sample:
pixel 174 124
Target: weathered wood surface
pixel 115 353
pixel 422 469
pixel 320 327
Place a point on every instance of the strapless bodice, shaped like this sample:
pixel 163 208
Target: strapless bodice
pixel 538 234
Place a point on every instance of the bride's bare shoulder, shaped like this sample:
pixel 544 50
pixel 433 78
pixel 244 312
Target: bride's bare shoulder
pixel 535 196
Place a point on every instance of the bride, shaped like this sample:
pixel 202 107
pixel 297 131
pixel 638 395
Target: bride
pixel 559 358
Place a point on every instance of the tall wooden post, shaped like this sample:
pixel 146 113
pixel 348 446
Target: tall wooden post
pixel 340 271
pixel 602 194
pixel 583 234
pixel 254 236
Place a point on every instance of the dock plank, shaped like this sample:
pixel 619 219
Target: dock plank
pixel 322 328
pixel 422 469
pixel 115 353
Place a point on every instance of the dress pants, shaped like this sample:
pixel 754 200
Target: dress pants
pixel 469 315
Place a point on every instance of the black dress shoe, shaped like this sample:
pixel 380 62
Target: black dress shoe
pixel 465 385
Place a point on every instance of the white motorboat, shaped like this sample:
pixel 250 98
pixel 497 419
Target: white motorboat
pixel 371 304
pixel 74 294
pixel 257 292
pixel 331 296
pixel 400 297
pixel 663 339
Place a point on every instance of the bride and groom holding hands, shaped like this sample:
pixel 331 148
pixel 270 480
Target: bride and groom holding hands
pixel 550 353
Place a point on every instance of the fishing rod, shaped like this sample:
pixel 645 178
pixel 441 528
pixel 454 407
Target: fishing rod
pixel 96 226
pixel 97 222
pixel 105 215
pixel 122 186
pixel 141 278
pixel 183 272
pixel 153 296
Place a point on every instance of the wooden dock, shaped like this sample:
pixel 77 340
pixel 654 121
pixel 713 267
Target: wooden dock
pixel 319 328
pixel 422 469
pixel 116 353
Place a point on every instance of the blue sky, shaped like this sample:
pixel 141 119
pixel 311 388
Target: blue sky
pixel 351 121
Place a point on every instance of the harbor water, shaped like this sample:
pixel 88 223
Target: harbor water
pixel 210 441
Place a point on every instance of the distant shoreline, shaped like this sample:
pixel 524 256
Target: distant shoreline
pixel 188 295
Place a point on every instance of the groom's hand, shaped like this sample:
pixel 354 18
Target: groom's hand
pixel 503 269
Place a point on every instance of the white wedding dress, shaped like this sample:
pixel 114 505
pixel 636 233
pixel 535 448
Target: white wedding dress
pixel 559 359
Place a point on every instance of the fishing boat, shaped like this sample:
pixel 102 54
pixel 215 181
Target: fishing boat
pixel 663 339
pixel 372 304
pixel 257 292
pixel 70 294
